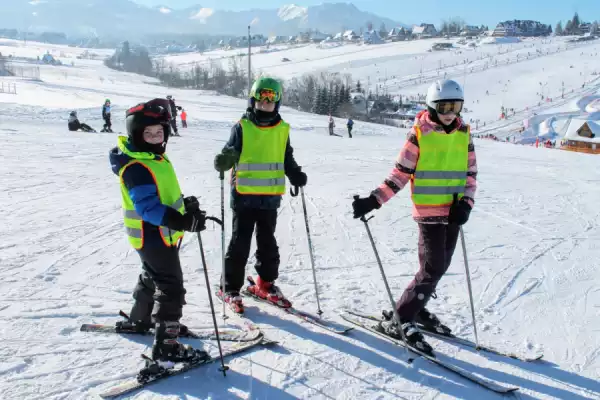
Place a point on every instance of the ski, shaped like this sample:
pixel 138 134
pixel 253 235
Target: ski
pixel 484 382
pixel 303 315
pixel 228 335
pixel 180 368
pixel 458 340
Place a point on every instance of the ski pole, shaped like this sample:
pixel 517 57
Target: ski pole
pixel 222 178
pixel 385 281
pixel 464 248
pixel 294 193
pixel 212 306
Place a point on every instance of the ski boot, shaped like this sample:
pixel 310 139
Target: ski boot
pixel 268 291
pixel 167 351
pixel 233 300
pixel 430 322
pixel 407 332
pixel 129 326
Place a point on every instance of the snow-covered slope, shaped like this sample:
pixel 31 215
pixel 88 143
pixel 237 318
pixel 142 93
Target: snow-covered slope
pixel 533 242
pixel 511 75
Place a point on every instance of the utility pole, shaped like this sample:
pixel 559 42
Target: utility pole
pixel 249 61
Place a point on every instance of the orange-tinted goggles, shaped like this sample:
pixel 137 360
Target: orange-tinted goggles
pixel 449 107
pixel 268 95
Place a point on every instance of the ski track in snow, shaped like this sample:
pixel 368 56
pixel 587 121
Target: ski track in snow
pixel 532 241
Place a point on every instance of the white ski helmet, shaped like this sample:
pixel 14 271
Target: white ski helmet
pixel 444 90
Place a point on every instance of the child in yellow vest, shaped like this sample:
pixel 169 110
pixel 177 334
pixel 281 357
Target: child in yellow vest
pixel 155 214
pixel 438 159
pixel 259 150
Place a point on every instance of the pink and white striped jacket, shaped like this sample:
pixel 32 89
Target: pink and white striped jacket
pixel 407 162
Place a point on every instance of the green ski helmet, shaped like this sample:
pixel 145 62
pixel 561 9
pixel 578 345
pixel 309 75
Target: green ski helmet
pixel 267 84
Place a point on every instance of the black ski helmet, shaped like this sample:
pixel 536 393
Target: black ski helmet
pixel 137 118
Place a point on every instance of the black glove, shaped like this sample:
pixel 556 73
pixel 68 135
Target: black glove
pixel 193 221
pixel 226 160
pixel 459 211
pixel 297 177
pixel 363 206
pixel 191 203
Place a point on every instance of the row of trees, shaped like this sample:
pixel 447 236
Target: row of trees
pixel 574 27
pixel 321 94
pixel 136 60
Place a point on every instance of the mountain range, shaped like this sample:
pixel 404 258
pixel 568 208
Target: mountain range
pixel 118 18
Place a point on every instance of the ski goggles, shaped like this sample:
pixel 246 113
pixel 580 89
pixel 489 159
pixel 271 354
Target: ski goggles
pixel 157 108
pixel 449 107
pixel 268 95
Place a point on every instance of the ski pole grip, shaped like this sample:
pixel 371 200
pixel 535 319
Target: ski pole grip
pixel 294 191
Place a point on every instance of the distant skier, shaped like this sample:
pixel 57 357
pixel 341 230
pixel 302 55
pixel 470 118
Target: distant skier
pixel 106 116
pixel 438 159
pixel 261 156
pixel 331 126
pixel 75 125
pixel 183 118
pixel 155 216
pixel 173 111
pixel 349 125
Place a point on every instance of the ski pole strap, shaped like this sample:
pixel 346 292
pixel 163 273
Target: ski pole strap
pixel 215 219
pixel 294 191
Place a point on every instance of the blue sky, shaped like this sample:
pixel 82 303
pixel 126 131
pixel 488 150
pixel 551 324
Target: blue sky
pixel 478 12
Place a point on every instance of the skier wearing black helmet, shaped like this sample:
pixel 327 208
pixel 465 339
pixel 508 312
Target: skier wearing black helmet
pixel 155 215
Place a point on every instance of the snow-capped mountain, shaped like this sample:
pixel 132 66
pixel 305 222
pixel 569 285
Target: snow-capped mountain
pixel 127 18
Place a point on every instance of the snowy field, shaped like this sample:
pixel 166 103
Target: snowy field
pixel 513 75
pixel 533 243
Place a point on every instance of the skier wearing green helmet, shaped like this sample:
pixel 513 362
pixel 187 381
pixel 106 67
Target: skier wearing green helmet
pixel 106 116
pixel 260 153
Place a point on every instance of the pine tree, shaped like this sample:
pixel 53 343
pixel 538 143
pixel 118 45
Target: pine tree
pixel 317 102
pixel 568 28
pixel 575 23
pixel 358 87
pixel 558 31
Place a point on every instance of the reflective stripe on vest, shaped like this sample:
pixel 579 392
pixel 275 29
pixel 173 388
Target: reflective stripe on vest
pixel 169 194
pixel 137 232
pixel 260 169
pixel 442 167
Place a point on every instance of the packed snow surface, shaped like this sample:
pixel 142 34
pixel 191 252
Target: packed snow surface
pixel 533 243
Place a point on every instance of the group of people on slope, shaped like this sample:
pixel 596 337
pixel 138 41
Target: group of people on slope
pixel 438 159
pixel 75 125
pixel 349 125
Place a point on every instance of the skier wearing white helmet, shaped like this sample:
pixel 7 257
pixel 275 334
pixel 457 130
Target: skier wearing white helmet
pixel 438 159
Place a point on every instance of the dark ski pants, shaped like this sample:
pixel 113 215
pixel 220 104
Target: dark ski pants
pixel 350 132
pixel 183 123
pixel 267 251
pixel 159 286
pixel 174 125
pixel 107 123
pixel 436 247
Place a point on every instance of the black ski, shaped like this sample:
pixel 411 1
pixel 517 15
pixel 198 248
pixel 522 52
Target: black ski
pixel 228 335
pixel 303 315
pixel 458 340
pixel 180 368
pixel 484 382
